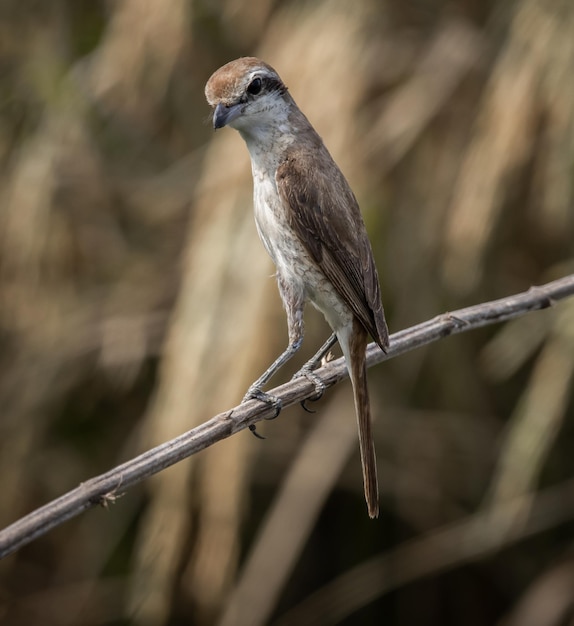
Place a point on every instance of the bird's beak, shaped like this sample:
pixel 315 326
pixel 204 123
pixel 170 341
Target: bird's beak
pixel 224 115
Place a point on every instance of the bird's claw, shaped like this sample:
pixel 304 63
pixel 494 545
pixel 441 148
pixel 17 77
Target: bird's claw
pixel 317 382
pixel 253 429
pixel 271 400
pixel 256 394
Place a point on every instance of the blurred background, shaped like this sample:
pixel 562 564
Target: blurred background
pixel 137 302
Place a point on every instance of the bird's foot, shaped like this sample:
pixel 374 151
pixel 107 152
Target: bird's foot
pixel 253 429
pixel 307 372
pixel 254 393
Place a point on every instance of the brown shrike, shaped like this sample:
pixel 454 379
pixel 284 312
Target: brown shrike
pixel 311 225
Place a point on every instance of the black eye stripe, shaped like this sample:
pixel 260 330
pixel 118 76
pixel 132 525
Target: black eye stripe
pixel 259 84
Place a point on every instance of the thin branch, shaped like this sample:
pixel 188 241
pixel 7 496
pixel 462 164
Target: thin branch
pixel 104 489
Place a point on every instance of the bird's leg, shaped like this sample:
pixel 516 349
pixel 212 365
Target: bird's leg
pixel 314 362
pixel 308 371
pixel 294 307
pixel 255 393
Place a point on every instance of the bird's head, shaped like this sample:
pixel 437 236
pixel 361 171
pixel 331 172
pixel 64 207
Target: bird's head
pixel 244 94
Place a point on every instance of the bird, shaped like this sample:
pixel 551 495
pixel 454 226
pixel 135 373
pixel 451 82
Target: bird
pixel 311 225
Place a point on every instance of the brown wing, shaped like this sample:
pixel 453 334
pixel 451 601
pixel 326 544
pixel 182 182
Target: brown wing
pixel 325 214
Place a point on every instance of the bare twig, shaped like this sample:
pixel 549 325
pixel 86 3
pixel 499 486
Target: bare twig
pixel 104 489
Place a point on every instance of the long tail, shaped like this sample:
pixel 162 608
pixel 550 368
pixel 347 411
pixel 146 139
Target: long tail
pixel 353 341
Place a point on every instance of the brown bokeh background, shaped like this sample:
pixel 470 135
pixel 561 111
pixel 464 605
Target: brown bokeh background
pixel 136 302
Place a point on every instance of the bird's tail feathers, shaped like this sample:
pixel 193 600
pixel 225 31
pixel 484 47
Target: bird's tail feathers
pixel 353 344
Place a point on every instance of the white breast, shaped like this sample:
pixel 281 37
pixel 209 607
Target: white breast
pixel 294 264
pixel 274 229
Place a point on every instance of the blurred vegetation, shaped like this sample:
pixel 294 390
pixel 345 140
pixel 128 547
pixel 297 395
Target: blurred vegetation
pixel 136 301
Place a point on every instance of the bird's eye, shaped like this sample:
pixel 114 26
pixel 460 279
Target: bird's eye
pixel 254 86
